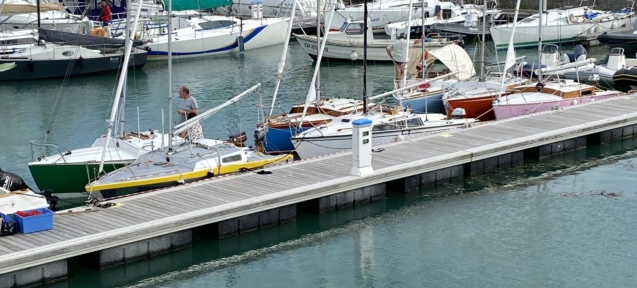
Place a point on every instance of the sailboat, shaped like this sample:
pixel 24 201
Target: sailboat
pixel 69 171
pixel 213 35
pixel 547 94
pixel 562 25
pixel 28 14
pixel 190 161
pixel 476 96
pixel 58 54
pixel 428 96
pixel 388 124
pixel 273 135
pixel 347 43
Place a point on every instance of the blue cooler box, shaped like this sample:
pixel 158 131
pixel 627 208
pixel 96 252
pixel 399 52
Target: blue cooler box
pixel 35 223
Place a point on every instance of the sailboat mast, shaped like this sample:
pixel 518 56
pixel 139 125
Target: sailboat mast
pixel 318 45
pixel 170 76
pixel 482 47
pixel 279 74
pixel 422 36
pixel 510 57
pixel 539 33
pixel 403 80
pixel 365 57
pixel 311 93
pixel 38 11
pixel 120 87
pixel 122 105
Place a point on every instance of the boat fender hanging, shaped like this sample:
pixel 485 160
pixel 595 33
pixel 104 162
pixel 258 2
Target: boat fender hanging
pixel 240 43
pixel 99 31
pixel 31 66
pixel 80 62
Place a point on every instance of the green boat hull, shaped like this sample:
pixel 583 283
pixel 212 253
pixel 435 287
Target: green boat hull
pixel 68 178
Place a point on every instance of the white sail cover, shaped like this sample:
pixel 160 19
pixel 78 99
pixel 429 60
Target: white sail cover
pixel 27 6
pixel 455 58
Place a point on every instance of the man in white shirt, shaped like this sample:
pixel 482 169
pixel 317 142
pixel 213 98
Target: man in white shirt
pixel 397 51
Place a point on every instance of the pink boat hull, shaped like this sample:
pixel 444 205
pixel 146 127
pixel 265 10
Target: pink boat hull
pixel 504 111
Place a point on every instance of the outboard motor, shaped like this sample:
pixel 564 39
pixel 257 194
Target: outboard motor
pixel 458 113
pixel 238 138
pixel 11 182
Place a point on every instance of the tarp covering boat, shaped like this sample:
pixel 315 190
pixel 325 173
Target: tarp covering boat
pixel 87 41
pixel 455 58
pixel 19 8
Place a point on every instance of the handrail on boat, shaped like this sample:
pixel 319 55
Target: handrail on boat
pixel 34 143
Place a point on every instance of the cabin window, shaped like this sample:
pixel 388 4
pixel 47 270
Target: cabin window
pixel 18 41
pixel 413 122
pixel 389 126
pixel 528 20
pixel 233 158
pixel 354 29
pixel 217 24
pixel 346 120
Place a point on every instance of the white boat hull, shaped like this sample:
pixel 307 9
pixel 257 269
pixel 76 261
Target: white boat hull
pixel 307 147
pixel 189 43
pixel 558 26
pixel 352 50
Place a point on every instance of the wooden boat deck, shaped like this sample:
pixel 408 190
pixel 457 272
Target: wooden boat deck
pixel 162 212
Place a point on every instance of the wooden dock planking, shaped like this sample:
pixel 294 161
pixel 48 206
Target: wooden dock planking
pixel 191 205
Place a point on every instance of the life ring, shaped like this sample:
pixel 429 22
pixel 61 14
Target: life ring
pixel 99 31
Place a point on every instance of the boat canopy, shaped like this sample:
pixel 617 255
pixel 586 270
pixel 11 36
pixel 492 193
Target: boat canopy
pixel 180 5
pixel 87 41
pixel 455 58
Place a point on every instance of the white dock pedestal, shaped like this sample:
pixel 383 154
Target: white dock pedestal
pixel 362 147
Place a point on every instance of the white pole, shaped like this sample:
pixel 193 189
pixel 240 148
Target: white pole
pixel 279 73
pixel 170 75
pixel 120 87
pixel 311 94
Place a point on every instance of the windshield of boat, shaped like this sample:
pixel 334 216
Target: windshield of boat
pixel 529 19
pixel 18 41
pixel 353 29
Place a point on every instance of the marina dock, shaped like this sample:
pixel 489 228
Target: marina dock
pixel 149 224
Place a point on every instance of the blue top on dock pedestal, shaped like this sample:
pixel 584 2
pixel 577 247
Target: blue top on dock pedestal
pixel 362 122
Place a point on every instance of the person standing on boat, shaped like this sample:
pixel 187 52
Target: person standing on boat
pixel 397 53
pixel 106 17
pixel 188 104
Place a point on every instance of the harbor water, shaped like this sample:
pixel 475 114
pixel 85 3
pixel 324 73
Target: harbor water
pixel 558 222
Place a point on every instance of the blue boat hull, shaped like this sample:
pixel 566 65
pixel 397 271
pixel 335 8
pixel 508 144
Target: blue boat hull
pixel 277 140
